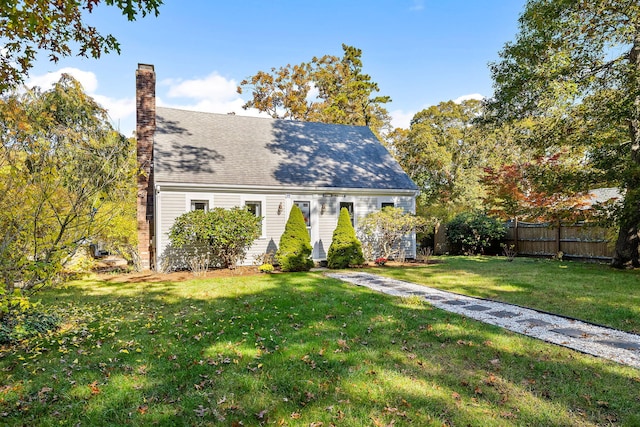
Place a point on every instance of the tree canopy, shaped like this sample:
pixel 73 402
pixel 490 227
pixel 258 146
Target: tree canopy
pixel 575 68
pixel 58 28
pixel 61 165
pixel 446 151
pixel 327 89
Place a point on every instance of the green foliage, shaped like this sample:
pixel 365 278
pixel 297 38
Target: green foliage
pixel 445 152
pixel 191 228
pixel 344 92
pixel 294 252
pixel 574 68
pixel 30 26
pixel 474 232
pixel 21 319
pixel 225 234
pixel 345 248
pixel 116 224
pixel 382 232
pixel 61 166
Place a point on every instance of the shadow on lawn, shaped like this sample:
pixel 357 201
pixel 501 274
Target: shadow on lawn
pixel 301 348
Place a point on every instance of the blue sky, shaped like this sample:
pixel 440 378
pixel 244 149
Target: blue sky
pixel 420 52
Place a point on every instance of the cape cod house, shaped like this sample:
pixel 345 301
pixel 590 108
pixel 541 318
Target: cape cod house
pixel 193 160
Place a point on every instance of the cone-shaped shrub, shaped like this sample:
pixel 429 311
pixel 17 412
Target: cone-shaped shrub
pixel 345 249
pixel 294 253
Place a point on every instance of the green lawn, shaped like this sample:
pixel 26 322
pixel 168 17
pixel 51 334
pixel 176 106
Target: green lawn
pixel 300 350
pixel 592 292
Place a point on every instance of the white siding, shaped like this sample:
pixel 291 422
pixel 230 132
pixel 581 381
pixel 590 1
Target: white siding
pixel 276 207
pixel 172 206
pixel 227 201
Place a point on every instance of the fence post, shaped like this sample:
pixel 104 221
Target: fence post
pixel 516 238
pixel 558 248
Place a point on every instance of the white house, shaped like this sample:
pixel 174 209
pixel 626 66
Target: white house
pixel 194 160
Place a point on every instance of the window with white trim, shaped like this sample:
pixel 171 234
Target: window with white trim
pixel 305 208
pixel 349 207
pixel 387 205
pixel 200 205
pixel 255 207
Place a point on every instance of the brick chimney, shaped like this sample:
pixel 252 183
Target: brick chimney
pixel 145 128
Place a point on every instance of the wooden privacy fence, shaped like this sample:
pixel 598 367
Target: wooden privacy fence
pixel 548 239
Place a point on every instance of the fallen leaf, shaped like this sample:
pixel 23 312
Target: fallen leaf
pixel 94 388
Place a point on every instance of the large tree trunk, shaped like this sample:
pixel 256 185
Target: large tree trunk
pixel 629 235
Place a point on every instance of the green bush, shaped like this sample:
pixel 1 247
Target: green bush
pixel 223 234
pixel 23 323
pixel 345 248
pixel 294 253
pixel 474 232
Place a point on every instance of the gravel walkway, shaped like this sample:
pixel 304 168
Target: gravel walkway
pixel 621 347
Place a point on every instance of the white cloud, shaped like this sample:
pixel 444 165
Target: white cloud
pixel 212 94
pixel 213 87
pixel 87 79
pixel 468 97
pixel 401 119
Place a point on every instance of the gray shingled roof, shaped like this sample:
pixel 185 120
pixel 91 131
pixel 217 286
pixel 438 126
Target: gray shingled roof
pixel 206 148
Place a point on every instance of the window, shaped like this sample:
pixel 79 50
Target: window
pixel 349 207
pixel 387 205
pixel 254 207
pixel 305 207
pixel 200 205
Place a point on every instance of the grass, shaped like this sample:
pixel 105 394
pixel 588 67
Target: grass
pixel 294 349
pixel 592 292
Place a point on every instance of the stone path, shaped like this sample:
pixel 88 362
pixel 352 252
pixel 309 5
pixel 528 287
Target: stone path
pixel 621 347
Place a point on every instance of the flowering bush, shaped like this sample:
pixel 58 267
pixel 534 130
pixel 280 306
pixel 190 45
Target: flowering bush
pixel 381 261
pixel 266 268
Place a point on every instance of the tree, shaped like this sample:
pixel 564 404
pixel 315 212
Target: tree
pixel 223 235
pixel 382 232
pixel 294 252
pixel 116 223
pixel 575 68
pixel 344 93
pixel 56 27
pixel 548 188
pixel 345 248
pixel 61 164
pixel 445 152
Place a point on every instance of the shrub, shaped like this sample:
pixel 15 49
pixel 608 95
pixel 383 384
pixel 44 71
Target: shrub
pixel 474 232
pixel 382 232
pixel 294 253
pixel 266 268
pixel 345 248
pixel 219 236
pixel 234 231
